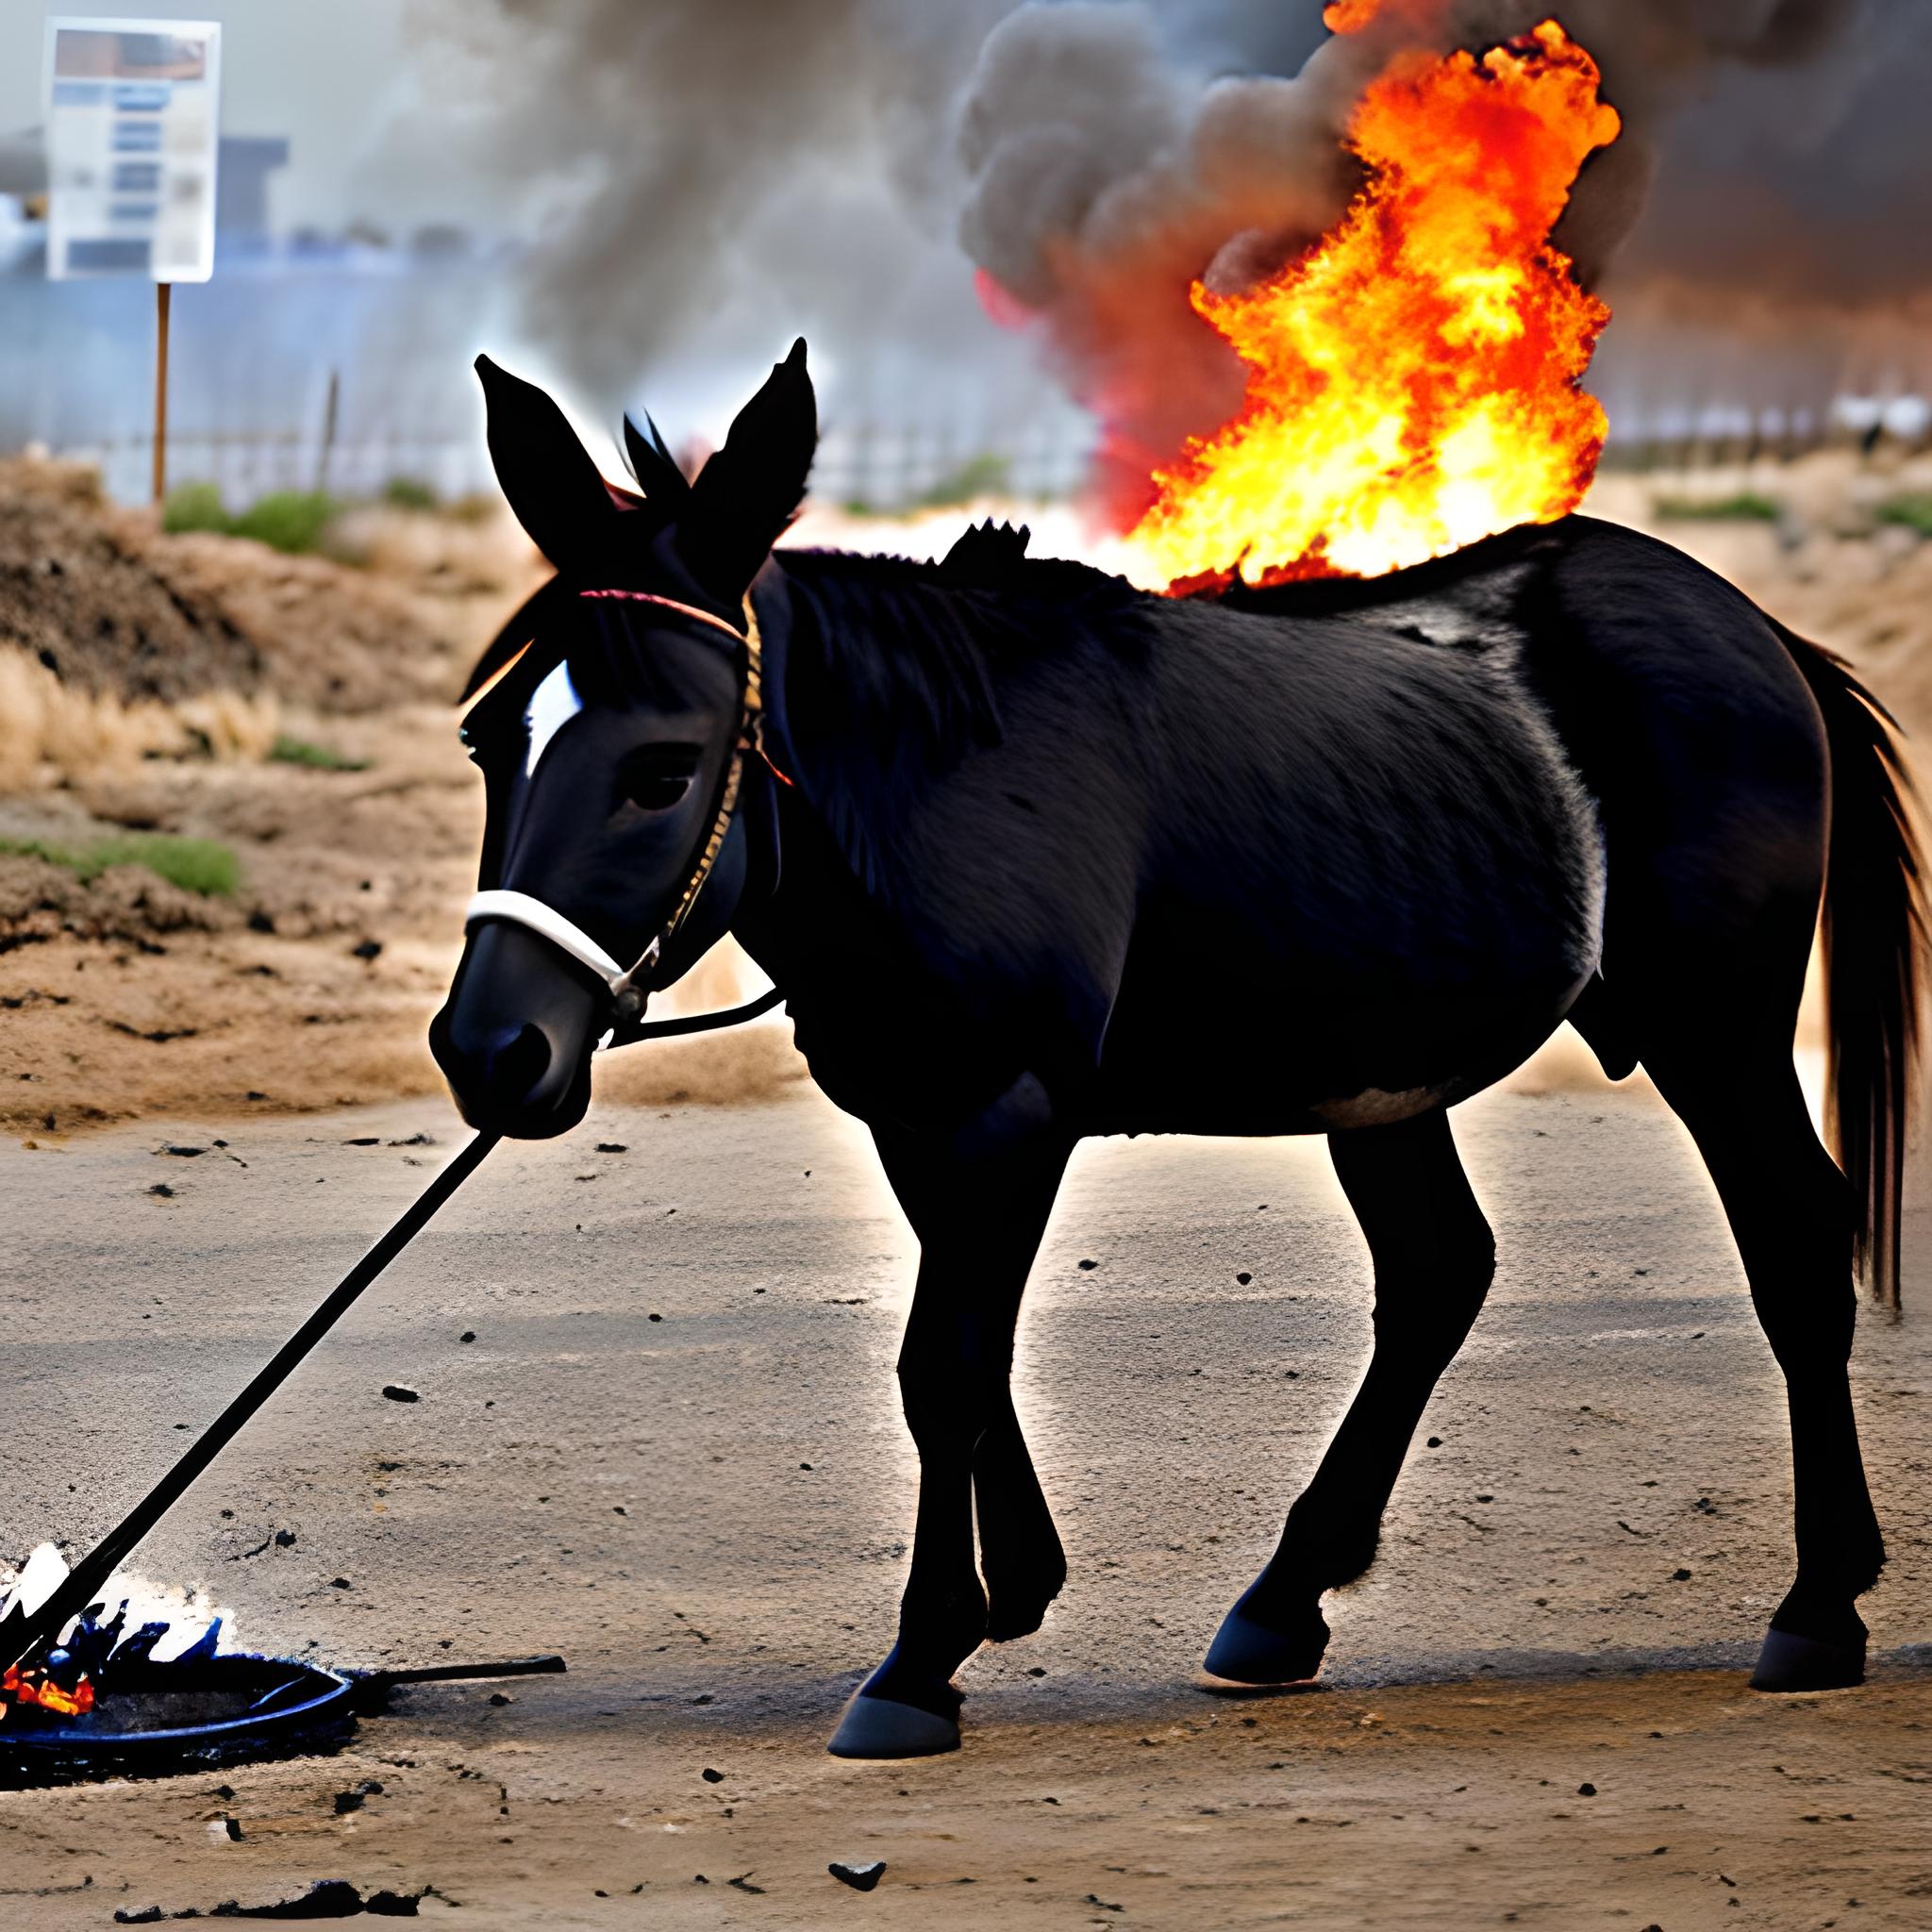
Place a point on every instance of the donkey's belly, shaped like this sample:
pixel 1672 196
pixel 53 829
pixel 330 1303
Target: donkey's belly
pixel 1230 1063
pixel 1375 1106
pixel 1384 922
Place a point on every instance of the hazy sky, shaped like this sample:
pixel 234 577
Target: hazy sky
pixel 704 177
pixel 347 80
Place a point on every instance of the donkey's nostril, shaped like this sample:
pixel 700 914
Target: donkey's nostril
pixel 515 1063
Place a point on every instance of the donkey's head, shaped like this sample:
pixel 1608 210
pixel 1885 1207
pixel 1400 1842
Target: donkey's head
pixel 606 740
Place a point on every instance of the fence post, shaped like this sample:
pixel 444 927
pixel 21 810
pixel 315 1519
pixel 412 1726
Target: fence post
pixel 328 432
pixel 163 292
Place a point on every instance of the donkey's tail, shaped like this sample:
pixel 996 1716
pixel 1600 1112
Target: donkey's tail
pixel 1874 930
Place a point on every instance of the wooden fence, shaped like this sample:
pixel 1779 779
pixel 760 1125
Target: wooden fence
pixel 881 467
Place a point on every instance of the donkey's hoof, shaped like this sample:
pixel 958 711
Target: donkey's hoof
pixel 880 1727
pixel 1792 1662
pixel 1246 1651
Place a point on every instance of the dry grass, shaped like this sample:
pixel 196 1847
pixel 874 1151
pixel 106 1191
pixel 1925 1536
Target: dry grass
pixel 435 552
pixel 59 734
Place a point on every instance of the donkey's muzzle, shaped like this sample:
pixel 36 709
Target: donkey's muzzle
pixel 511 1066
pixel 514 1040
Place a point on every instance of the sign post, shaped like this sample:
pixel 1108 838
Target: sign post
pixel 133 132
pixel 162 292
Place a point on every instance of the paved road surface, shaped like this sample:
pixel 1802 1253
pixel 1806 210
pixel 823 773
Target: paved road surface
pixel 673 1451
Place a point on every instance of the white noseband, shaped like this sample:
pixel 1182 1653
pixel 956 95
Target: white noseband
pixel 520 908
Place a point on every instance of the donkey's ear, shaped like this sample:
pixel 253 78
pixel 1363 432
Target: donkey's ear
pixel 750 489
pixel 546 474
pixel 665 486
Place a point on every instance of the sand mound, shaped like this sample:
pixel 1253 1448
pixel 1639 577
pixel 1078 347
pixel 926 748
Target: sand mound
pixel 116 609
pixel 144 679
pixel 78 593
pixel 329 635
pixel 39 900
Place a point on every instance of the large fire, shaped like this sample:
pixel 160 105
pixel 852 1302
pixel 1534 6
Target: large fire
pixel 1413 379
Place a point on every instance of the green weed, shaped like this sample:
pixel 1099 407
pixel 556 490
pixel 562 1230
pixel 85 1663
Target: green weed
pixel 1913 512
pixel 293 521
pixel 196 865
pixel 316 758
pixel 1747 507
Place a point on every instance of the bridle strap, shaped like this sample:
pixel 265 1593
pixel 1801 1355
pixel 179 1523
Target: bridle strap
pixel 702 615
pixel 751 709
pixel 521 908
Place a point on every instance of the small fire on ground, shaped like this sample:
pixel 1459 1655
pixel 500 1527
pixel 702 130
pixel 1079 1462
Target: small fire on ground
pixel 1413 380
pixel 148 1624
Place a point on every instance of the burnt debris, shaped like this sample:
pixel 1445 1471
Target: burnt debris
pixel 327 1898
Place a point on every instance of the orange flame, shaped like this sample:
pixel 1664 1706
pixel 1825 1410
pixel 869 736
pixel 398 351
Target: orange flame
pixel 1412 379
pixel 33 1686
pixel 1351 16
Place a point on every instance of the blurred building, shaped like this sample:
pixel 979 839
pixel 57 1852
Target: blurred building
pixel 241 184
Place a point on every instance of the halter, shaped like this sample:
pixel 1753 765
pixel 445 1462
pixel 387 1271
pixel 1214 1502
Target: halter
pixel 521 908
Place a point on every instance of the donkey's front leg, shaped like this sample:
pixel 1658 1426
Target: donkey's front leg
pixel 979 1204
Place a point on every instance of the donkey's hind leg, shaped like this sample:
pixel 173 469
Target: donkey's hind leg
pixel 1433 1259
pixel 1791 1213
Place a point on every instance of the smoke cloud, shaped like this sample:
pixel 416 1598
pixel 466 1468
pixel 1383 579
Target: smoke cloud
pixel 716 176
pixel 643 147
pixel 1104 180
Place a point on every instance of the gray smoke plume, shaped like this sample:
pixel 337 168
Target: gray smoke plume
pixel 644 143
pixel 726 174
pixel 1105 179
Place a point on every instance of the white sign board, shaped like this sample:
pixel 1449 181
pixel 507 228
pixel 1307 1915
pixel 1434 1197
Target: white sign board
pixel 133 126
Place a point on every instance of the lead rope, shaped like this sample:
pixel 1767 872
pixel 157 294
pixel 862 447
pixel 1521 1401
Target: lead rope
pixel 22 1635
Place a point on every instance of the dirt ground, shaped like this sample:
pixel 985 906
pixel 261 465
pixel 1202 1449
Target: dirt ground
pixel 1529 1717
pixel 310 987
pixel 672 1452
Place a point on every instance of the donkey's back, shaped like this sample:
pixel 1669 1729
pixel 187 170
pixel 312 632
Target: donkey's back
pixel 1382 818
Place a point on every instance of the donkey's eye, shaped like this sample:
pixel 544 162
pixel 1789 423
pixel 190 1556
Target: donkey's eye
pixel 656 777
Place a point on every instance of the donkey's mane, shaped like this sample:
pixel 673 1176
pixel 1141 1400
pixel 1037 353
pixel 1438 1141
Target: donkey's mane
pixel 904 643
pixel 892 666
